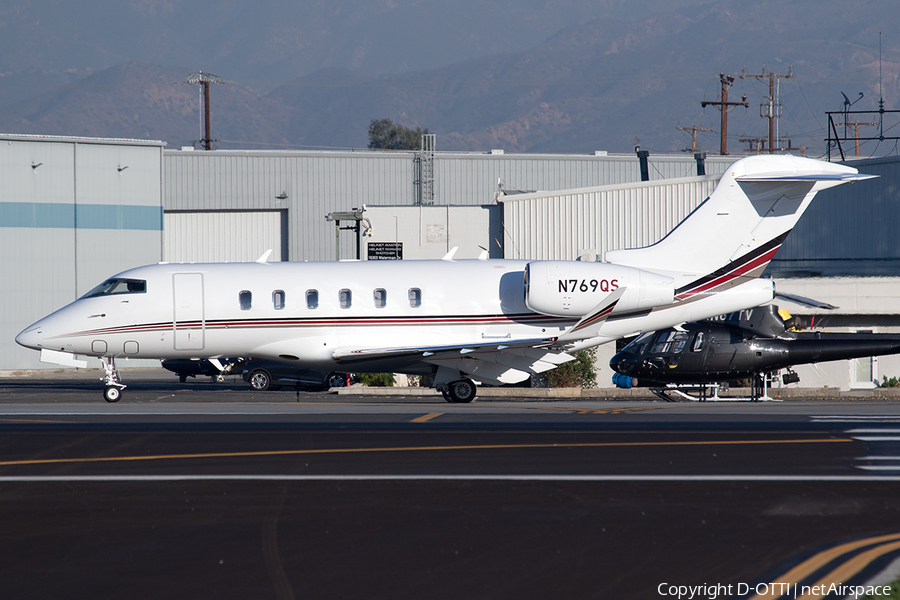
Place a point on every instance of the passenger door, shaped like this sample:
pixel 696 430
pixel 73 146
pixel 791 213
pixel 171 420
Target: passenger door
pixel 189 320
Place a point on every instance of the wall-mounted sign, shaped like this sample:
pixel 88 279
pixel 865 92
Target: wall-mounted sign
pixel 385 250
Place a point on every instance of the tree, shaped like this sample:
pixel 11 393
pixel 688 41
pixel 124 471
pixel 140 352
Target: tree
pixel 387 135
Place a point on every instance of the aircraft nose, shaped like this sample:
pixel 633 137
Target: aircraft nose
pixel 31 337
pixel 624 363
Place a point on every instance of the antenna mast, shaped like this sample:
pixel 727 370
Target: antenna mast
pixel 203 80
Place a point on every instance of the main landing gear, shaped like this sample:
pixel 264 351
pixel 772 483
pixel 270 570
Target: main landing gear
pixel 114 385
pixel 462 391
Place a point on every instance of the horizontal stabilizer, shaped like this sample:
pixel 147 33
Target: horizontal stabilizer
pixel 787 176
pixel 802 300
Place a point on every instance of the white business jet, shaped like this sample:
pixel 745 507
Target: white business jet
pixel 456 321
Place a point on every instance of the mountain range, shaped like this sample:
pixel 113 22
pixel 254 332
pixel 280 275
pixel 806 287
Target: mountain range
pixel 528 76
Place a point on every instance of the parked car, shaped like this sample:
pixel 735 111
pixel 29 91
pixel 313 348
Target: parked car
pixel 264 374
pixel 187 367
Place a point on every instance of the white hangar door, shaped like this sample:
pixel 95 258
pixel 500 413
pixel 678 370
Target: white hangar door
pixel 238 236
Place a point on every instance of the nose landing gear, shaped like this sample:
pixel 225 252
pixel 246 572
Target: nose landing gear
pixel 114 385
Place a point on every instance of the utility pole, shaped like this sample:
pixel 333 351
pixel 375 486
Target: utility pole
pixel 757 142
pixel 771 109
pixel 856 125
pixel 693 131
pixel 203 80
pixel 724 106
pixel 760 144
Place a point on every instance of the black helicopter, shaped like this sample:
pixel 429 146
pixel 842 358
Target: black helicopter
pixel 750 344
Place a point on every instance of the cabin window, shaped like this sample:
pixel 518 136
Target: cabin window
pixel 246 299
pixel 697 346
pixel 312 298
pixel 415 297
pixel 278 299
pixel 118 286
pixel 346 298
pixel 380 298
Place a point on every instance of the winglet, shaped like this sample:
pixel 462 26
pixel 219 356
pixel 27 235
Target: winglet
pixel 590 324
pixel 265 257
pixel 449 255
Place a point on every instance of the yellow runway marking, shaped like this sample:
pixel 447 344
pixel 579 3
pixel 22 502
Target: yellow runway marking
pixel 850 568
pixel 48 461
pixel 425 418
pixel 813 563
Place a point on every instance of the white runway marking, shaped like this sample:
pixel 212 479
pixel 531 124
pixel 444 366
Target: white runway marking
pixel 427 477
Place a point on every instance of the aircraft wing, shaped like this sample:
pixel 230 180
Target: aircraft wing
pixel 494 362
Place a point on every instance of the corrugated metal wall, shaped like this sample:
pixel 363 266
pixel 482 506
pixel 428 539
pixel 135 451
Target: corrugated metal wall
pixel 311 184
pixel 214 236
pixel 548 226
pixel 461 176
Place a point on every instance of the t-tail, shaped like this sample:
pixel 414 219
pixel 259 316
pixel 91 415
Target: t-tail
pixel 734 233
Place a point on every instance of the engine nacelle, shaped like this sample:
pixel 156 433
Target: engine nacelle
pixel 572 289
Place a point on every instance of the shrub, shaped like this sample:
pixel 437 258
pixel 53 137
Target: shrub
pixel 376 379
pixel 575 373
pixel 892 382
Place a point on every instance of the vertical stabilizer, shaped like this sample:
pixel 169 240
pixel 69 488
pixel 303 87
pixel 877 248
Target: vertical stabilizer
pixel 735 232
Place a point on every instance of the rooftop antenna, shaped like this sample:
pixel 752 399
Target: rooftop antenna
pixel 203 80
pixel 847 105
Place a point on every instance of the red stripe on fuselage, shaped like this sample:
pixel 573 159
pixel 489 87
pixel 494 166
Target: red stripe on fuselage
pixel 731 275
pixel 329 321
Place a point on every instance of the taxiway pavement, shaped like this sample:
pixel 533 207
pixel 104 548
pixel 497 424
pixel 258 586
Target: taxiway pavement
pixel 213 491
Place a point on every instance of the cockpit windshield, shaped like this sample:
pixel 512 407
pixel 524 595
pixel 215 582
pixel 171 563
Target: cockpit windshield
pixel 118 286
pixel 638 344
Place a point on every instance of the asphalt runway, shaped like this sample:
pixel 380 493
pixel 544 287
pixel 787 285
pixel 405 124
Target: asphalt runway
pixel 214 491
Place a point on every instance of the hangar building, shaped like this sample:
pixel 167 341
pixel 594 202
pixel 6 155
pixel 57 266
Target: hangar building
pixel 106 205
pixel 73 211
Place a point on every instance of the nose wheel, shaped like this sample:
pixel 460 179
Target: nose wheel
pixel 114 385
pixel 112 393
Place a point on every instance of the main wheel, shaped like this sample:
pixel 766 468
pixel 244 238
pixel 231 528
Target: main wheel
pixel 260 380
pixel 335 380
pixel 112 393
pixel 462 391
